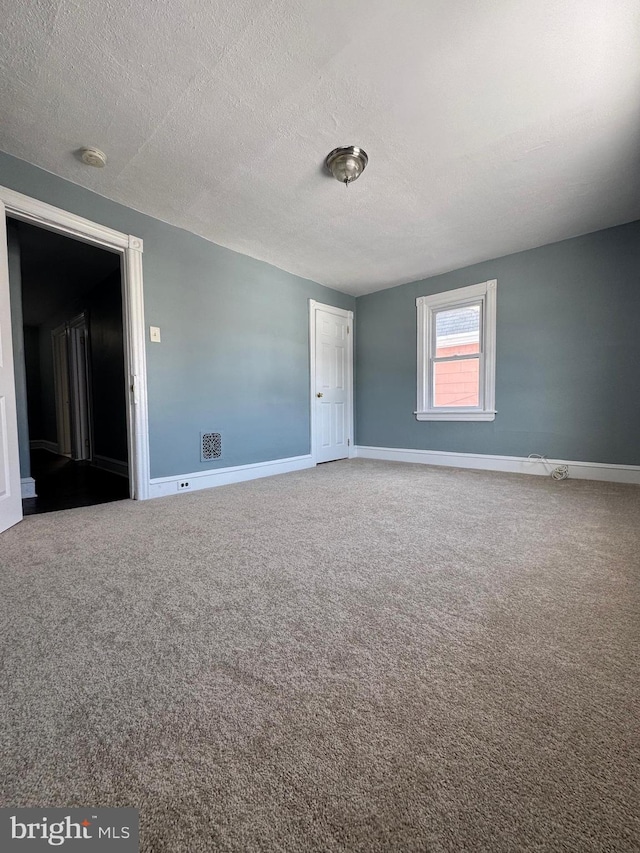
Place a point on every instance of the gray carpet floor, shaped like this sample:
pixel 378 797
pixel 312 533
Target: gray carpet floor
pixel 365 656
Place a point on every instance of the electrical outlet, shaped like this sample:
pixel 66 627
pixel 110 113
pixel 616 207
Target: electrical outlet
pixel 184 485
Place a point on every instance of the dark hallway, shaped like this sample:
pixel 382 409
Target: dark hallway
pixel 67 319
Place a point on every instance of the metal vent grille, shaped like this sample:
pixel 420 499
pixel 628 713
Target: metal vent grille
pixel 210 446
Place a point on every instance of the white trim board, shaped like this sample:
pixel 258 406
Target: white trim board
pixel 130 249
pixel 43 444
pixel 509 464
pixel 162 486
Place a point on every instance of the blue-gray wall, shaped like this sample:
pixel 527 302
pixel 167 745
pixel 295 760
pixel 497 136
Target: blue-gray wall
pixel 568 355
pixel 234 356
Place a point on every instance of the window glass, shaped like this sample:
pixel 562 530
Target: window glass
pixel 456 383
pixel 458 331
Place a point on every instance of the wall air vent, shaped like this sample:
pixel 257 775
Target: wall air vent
pixel 210 446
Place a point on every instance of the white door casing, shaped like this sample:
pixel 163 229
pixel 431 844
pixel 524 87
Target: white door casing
pixel 331 382
pixel 130 249
pixel 10 487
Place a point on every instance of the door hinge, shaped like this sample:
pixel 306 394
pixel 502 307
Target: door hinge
pixel 348 330
pixel 348 442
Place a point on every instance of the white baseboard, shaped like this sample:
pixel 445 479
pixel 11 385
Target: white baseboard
pixel 510 464
pixel 41 444
pixel 115 466
pixel 162 486
pixel 28 487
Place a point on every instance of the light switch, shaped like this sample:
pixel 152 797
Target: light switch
pixel 154 334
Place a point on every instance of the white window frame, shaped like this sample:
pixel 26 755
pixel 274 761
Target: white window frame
pixel 427 307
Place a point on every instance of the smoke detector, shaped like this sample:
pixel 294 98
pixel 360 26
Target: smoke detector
pixel 93 157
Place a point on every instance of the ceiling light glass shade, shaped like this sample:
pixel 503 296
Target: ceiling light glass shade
pixel 347 164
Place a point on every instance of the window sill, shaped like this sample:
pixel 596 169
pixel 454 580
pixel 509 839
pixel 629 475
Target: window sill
pixel 455 416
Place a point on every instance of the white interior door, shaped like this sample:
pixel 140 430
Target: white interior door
pixel 10 489
pixel 332 395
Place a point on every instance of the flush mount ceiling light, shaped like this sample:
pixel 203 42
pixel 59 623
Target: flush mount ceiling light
pixel 93 157
pixel 346 164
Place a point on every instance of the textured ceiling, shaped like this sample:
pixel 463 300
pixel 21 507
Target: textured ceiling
pixel 491 126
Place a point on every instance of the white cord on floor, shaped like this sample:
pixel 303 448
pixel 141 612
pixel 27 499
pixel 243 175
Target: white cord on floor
pixel 560 472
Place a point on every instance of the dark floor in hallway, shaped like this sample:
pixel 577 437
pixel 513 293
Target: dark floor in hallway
pixel 62 483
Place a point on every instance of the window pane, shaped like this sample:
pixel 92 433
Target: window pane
pixel 456 383
pixel 458 331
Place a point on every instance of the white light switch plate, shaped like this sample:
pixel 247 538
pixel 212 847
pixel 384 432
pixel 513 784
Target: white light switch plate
pixel 154 334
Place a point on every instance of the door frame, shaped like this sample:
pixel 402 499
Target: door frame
pixel 342 312
pixel 130 249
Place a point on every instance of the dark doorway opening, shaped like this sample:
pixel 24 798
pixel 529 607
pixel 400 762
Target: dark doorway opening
pixel 67 320
pixel 63 483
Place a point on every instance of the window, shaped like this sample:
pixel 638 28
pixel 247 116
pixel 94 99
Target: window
pixel 457 354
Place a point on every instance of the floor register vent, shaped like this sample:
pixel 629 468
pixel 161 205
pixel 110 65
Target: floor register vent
pixel 210 446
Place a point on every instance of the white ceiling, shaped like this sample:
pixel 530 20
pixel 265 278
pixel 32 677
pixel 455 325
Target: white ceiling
pixel 491 126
